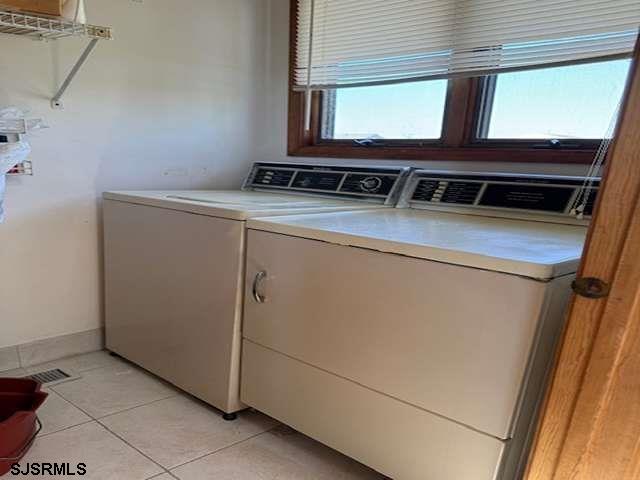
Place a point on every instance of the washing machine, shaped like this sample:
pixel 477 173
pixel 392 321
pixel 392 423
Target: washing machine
pixel 174 266
pixel 416 340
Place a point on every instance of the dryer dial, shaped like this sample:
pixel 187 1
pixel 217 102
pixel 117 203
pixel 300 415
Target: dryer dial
pixel 370 184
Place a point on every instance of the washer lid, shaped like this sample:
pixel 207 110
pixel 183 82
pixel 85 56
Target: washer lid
pixel 532 249
pixel 235 204
pixel 284 189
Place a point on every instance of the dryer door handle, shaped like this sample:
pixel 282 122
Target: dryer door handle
pixel 257 296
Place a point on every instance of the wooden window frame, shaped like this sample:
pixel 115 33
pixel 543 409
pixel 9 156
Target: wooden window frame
pixel 459 141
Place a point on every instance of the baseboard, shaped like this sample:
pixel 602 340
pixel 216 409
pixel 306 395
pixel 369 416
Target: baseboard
pixel 9 358
pixel 49 349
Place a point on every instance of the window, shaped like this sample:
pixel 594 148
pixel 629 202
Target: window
pixel 547 112
pixel 411 81
pixel 574 102
pixel 406 111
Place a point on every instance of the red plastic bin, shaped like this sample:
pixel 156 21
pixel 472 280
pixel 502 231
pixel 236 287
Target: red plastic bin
pixel 19 424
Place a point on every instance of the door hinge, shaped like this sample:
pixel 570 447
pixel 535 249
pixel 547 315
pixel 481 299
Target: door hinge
pixel 591 287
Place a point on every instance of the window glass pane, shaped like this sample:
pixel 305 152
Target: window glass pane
pixel 403 111
pixel 576 101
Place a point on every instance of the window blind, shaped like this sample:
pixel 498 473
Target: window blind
pixel 343 43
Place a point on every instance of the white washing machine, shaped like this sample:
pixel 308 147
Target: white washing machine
pixel 416 340
pixel 174 266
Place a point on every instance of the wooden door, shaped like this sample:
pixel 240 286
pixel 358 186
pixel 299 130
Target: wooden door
pixel 590 427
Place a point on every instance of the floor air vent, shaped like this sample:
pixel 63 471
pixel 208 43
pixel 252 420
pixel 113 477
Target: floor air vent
pixel 50 376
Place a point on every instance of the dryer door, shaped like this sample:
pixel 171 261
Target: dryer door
pixel 450 340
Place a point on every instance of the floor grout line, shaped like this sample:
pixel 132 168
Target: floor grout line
pixel 137 406
pixel 224 448
pixel 123 440
pixel 79 372
pixel 161 474
pixel 118 361
pixel 91 419
pixel 110 414
pixel 97 420
pixel 164 469
pixel 52 363
pixel 43 435
pixel 67 357
pixel 53 389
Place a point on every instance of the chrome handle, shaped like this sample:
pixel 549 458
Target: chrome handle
pixel 257 296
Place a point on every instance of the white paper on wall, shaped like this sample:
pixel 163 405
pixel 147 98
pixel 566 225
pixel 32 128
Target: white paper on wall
pixel 14 153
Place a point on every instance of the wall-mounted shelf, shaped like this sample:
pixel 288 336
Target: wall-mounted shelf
pixel 45 28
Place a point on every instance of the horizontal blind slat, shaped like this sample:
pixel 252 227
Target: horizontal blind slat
pixel 377 52
pixel 470 59
pixel 617 21
pixel 380 41
pixel 546 9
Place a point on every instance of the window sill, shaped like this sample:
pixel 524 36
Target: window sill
pixel 470 153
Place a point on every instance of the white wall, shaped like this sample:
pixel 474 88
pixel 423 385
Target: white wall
pixel 172 102
pixel 273 138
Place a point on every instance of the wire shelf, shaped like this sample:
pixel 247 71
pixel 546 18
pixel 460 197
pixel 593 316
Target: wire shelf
pixel 24 168
pixel 48 28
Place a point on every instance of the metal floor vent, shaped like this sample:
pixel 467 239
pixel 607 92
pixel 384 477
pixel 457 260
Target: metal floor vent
pixel 49 376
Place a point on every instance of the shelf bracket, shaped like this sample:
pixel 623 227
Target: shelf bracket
pixel 56 102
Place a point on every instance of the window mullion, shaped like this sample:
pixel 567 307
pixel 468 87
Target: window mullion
pixel 486 89
pixel 315 132
pixel 459 108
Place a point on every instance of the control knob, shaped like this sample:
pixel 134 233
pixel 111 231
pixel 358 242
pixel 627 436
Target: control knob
pixel 370 184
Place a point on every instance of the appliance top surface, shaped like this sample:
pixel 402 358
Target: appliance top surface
pixel 284 189
pixel 532 249
pixel 235 204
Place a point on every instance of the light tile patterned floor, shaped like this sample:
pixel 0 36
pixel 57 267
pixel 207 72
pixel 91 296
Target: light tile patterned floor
pixel 126 424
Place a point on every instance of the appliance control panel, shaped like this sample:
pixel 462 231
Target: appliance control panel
pixel 509 193
pixel 380 185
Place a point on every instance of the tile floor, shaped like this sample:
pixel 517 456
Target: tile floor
pixel 126 424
